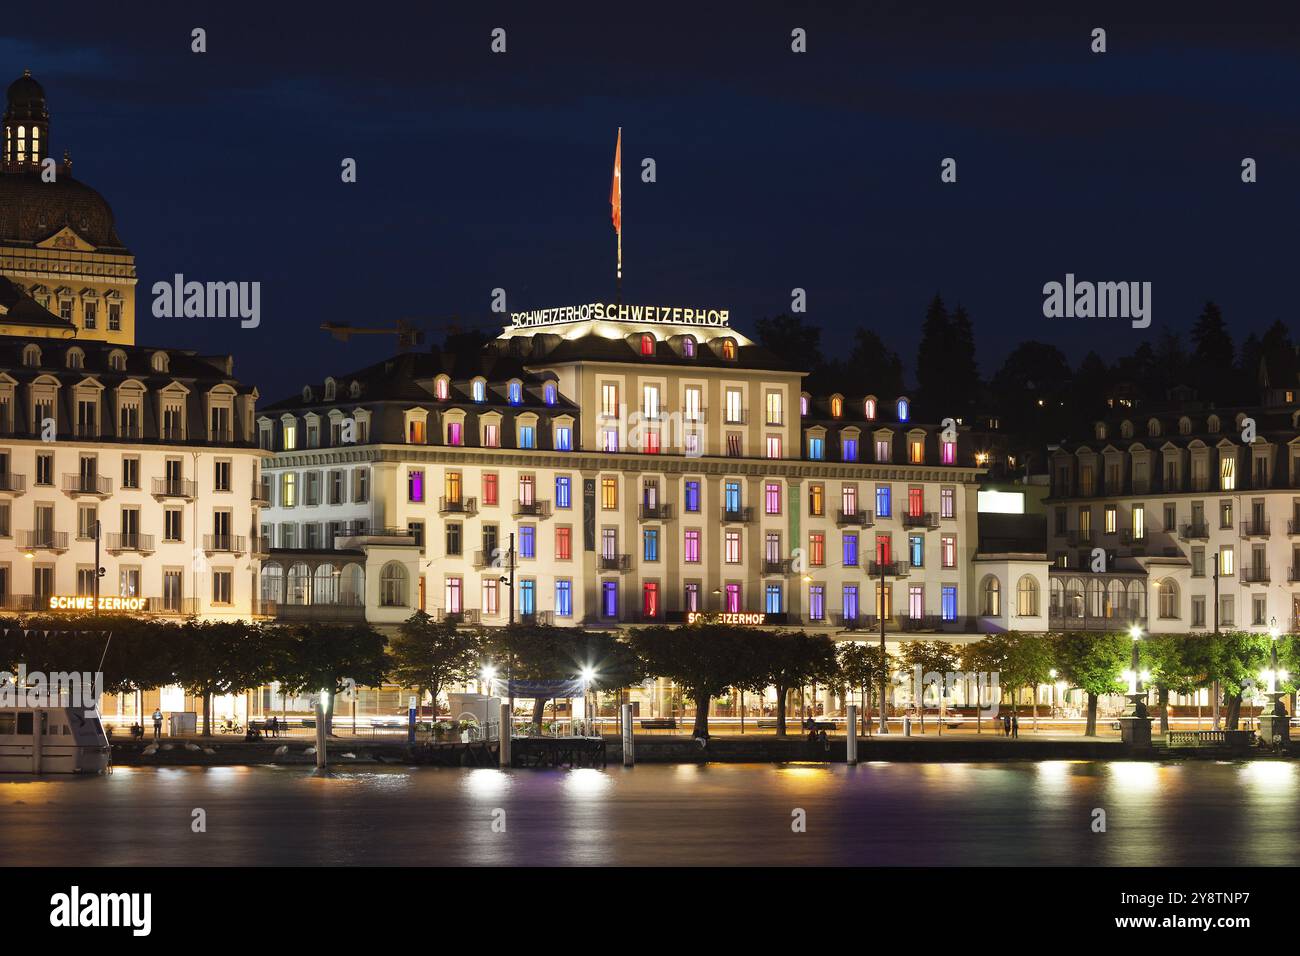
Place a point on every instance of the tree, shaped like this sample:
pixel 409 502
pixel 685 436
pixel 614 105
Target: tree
pixel 861 666
pixel 704 659
pixel 794 340
pixel 928 657
pixel 932 362
pixel 1213 356
pixel 790 660
pixel 1033 394
pixel 985 656
pixel 219 657
pixel 333 658
pixel 1177 665
pixel 1236 660
pixel 1028 664
pixel 428 655
pixel 1093 663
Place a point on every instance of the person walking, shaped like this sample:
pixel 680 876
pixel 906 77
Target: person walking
pixel 1015 726
pixel 1006 725
pixel 157 724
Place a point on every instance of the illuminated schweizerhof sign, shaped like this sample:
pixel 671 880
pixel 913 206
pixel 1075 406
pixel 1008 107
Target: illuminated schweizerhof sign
pixel 63 602
pixel 612 312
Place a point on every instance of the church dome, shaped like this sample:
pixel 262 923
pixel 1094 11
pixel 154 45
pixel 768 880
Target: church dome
pixel 26 99
pixel 32 210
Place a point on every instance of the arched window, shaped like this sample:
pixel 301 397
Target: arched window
pixel 272 582
pixel 478 390
pixel 298 590
pixel 352 586
pixel 688 347
pixel 1057 600
pixel 160 362
pixel 904 409
pixel 515 392
pixel 1115 599
pixel 1153 427
pixel 550 394
pixel 729 349
pixel 329 389
pixel 117 360
pixel 442 387
pixel 837 406
pixel 647 344
pixel 869 408
pixel 1074 597
pixel 31 356
pixel 991 596
pixel 325 585
pixel 1168 598
pixel 1096 606
pixel 1027 596
pixel 1212 424
pixel 76 358
pixel 392 585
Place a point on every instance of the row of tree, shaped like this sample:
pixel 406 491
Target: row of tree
pixel 706 661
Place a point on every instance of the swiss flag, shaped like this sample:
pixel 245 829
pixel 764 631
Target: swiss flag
pixel 616 187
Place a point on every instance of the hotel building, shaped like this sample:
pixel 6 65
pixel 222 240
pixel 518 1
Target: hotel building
pixel 647 463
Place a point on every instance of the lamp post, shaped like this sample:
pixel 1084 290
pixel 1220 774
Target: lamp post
pixel 1052 676
pixel 1135 726
pixel 1274 723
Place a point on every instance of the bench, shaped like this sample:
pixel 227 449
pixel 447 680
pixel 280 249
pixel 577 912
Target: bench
pixel 658 723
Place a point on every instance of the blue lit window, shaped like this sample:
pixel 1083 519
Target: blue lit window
pixel 527 596
pixel 564 598
pixel 651 550
pixel 693 496
pixel 550 393
pixel 526 438
pixel 527 542
pixel 850 602
pixel 564 439
pixel 479 391
pixel 850 449
pixel 850 550
pixel 516 393
pixel 816 449
pixel 882 501
pixel 903 409
pixel 609 598
pixel 731 496
pixel 949 602
pixel 816 602
pixel 562 492
pixel 916 549
pixel 773 599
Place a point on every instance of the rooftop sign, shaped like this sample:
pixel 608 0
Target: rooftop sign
pixel 61 602
pixel 613 312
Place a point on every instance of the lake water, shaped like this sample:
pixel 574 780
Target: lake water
pixel 1157 813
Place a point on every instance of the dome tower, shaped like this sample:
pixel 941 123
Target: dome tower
pixel 26 124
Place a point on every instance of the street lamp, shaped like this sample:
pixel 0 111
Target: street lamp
pixel 588 674
pixel 1135 676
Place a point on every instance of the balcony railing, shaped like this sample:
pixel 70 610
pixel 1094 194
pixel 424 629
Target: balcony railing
pixel 1255 574
pixel 1255 528
pixel 532 509
pixel 11 482
pixel 539 618
pixel 1194 531
pixel 1133 539
pixel 118 542
pixel 183 607
pixel 173 433
pixel 260 544
pixel 1078 539
pixel 484 558
pixel 737 515
pixel 348 609
pixel 657 512
pixel 457 506
pixel 779 566
pixel 861 518
pixel 173 488
pixel 892 569
pixel 614 562
pixel 42 540
pixel 87 485
pixel 733 417
pixel 926 519
pixel 229 543
pixel 261 494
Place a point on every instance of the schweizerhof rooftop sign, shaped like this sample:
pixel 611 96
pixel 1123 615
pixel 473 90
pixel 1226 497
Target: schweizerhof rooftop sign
pixel 611 312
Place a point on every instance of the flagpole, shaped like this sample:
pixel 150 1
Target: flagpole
pixel 620 216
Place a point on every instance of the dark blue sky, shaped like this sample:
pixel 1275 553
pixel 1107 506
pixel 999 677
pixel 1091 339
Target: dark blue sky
pixel 775 170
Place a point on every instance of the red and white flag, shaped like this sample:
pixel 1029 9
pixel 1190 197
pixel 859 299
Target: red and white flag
pixel 616 188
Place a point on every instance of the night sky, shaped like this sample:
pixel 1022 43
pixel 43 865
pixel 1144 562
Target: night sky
pixel 775 170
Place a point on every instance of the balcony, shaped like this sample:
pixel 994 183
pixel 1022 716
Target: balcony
pixel 891 569
pixel 346 609
pixel 737 515
pixel 221 436
pixel 1120 620
pixel 929 520
pixel 489 558
pixel 42 540
pixel 458 506
pixel 180 607
pixel 223 543
pixel 1255 528
pixel 1079 539
pixel 16 484
pixel 1293 574
pixel 260 495
pixel 1255 574
pixel 735 417
pixel 532 509
pixel 538 618
pixel 1293 525
pixel 173 433
pixel 779 566
pixel 117 542
pixel 657 512
pixel 77 485
pixel 173 488
pixel 260 545
pixel 614 562
pixel 860 518
pixel 1194 531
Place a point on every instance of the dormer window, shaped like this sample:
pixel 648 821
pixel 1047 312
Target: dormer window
pixel 904 409
pixel 76 358
pixel 1212 424
pixel 837 406
pixel 159 363
pixel 729 349
pixel 442 387
pixel 355 389
pixel 306 393
pixel 1153 427
pixel 478 390
pixel 550 393
pixel 32 356
pixel 1100 431
pixel 329 389
pixel 515 392
pixel 688 346
pixel 804 400
pixel 117 360
pixel 869 408
pixel 647 344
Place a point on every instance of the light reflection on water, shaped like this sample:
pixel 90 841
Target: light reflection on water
pixel 878 813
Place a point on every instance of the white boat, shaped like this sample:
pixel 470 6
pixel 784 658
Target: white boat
pixel 71 740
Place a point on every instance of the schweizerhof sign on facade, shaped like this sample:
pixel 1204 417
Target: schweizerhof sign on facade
pixel 611 312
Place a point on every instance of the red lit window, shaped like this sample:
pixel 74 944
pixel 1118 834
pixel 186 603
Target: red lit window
pixel 647 344
pixel 489 489
pixel 563 543
pixel 650 599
